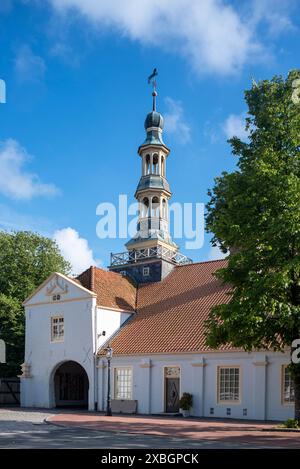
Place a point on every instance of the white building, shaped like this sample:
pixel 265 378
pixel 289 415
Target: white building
pixel 151 308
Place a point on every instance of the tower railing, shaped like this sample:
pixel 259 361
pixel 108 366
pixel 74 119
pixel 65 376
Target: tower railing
pixel 158 252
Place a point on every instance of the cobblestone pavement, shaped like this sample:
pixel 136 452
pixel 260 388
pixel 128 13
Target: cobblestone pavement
pixel 26 428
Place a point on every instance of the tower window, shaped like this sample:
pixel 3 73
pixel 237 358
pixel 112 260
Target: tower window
pixel 155 164
pixel 145 207
pixel 148 171
pixel 164 209
pixel 155 207
pixel 146 271
pixel 162 166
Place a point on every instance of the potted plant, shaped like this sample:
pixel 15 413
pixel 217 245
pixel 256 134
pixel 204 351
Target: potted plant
pixel 186 403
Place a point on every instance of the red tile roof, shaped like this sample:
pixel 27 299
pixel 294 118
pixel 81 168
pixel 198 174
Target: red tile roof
pixel 112 289
pixel 171 313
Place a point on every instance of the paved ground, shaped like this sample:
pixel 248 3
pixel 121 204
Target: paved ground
pixel 21 428
pixel 220 433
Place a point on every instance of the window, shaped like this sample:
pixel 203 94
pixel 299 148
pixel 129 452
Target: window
pixel 155 207
pixel 228 384
pixel 57 329
pixel 145 207
pixel 288 391
pixel 123 383
pixel 56 297
pixel 146 271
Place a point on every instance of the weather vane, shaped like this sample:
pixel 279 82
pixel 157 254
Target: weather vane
pixel 151 79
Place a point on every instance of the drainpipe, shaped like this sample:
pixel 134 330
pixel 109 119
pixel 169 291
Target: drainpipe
pixel 95 359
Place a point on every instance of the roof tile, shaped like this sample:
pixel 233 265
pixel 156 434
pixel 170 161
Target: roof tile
pixel 171 314
pixel 112 289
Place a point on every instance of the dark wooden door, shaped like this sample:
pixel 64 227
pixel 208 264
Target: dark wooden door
pixel 172 394
pixel 71 386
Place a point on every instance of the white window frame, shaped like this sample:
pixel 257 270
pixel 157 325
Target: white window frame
pixel 229 401
pixel 283 376
pixel 57 321
pixel 146 271
pixel 116 394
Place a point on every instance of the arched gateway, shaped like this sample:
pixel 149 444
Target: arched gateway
pixel 70 385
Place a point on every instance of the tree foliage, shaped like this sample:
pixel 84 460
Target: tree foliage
pixel 26 260
pixel 255 213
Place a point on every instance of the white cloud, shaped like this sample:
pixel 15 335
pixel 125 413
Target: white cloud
pixel 28 66
pixel 76 250
pixel 215 254
pixel 213 35
pixel 234 126
pixel 276 15
pixel 174 121
pixel 15 182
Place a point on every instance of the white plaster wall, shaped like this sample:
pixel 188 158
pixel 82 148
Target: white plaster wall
pixel 44 356
pixel 260 383
pixel 276 410
pixel 109 321
pixel 244 361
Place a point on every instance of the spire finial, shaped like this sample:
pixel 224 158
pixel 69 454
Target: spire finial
pixel 151 79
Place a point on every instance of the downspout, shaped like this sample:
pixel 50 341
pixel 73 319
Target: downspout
pixel 95 359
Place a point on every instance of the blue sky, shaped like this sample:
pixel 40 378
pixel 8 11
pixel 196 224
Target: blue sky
pixel 77 96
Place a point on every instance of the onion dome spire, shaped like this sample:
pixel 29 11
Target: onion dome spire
pixel 154 122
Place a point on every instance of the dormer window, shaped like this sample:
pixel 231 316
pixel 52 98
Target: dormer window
pixel 146 271
pixel 56 297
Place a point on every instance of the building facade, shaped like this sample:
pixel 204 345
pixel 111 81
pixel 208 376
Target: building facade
pixel 150 307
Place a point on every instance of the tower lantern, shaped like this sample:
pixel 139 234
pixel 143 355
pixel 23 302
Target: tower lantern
pixel 151 253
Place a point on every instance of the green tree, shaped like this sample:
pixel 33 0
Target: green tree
pixel 255 213
pixel 26 260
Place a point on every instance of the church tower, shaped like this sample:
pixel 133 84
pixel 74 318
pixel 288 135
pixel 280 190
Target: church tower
pixel 151 254
pixel 153 191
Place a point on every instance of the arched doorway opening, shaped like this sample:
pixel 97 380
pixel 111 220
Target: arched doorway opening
pixel 71 385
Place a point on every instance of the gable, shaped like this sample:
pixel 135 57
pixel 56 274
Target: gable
pixel 60 288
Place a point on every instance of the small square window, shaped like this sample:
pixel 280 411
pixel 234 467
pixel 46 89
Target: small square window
pixel 146 271
pixel 57 329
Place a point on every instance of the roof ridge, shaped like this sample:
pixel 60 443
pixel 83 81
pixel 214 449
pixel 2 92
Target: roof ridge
pixel 96 268
pixel 201 262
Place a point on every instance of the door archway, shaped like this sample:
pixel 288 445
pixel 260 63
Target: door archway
pixel 71 385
